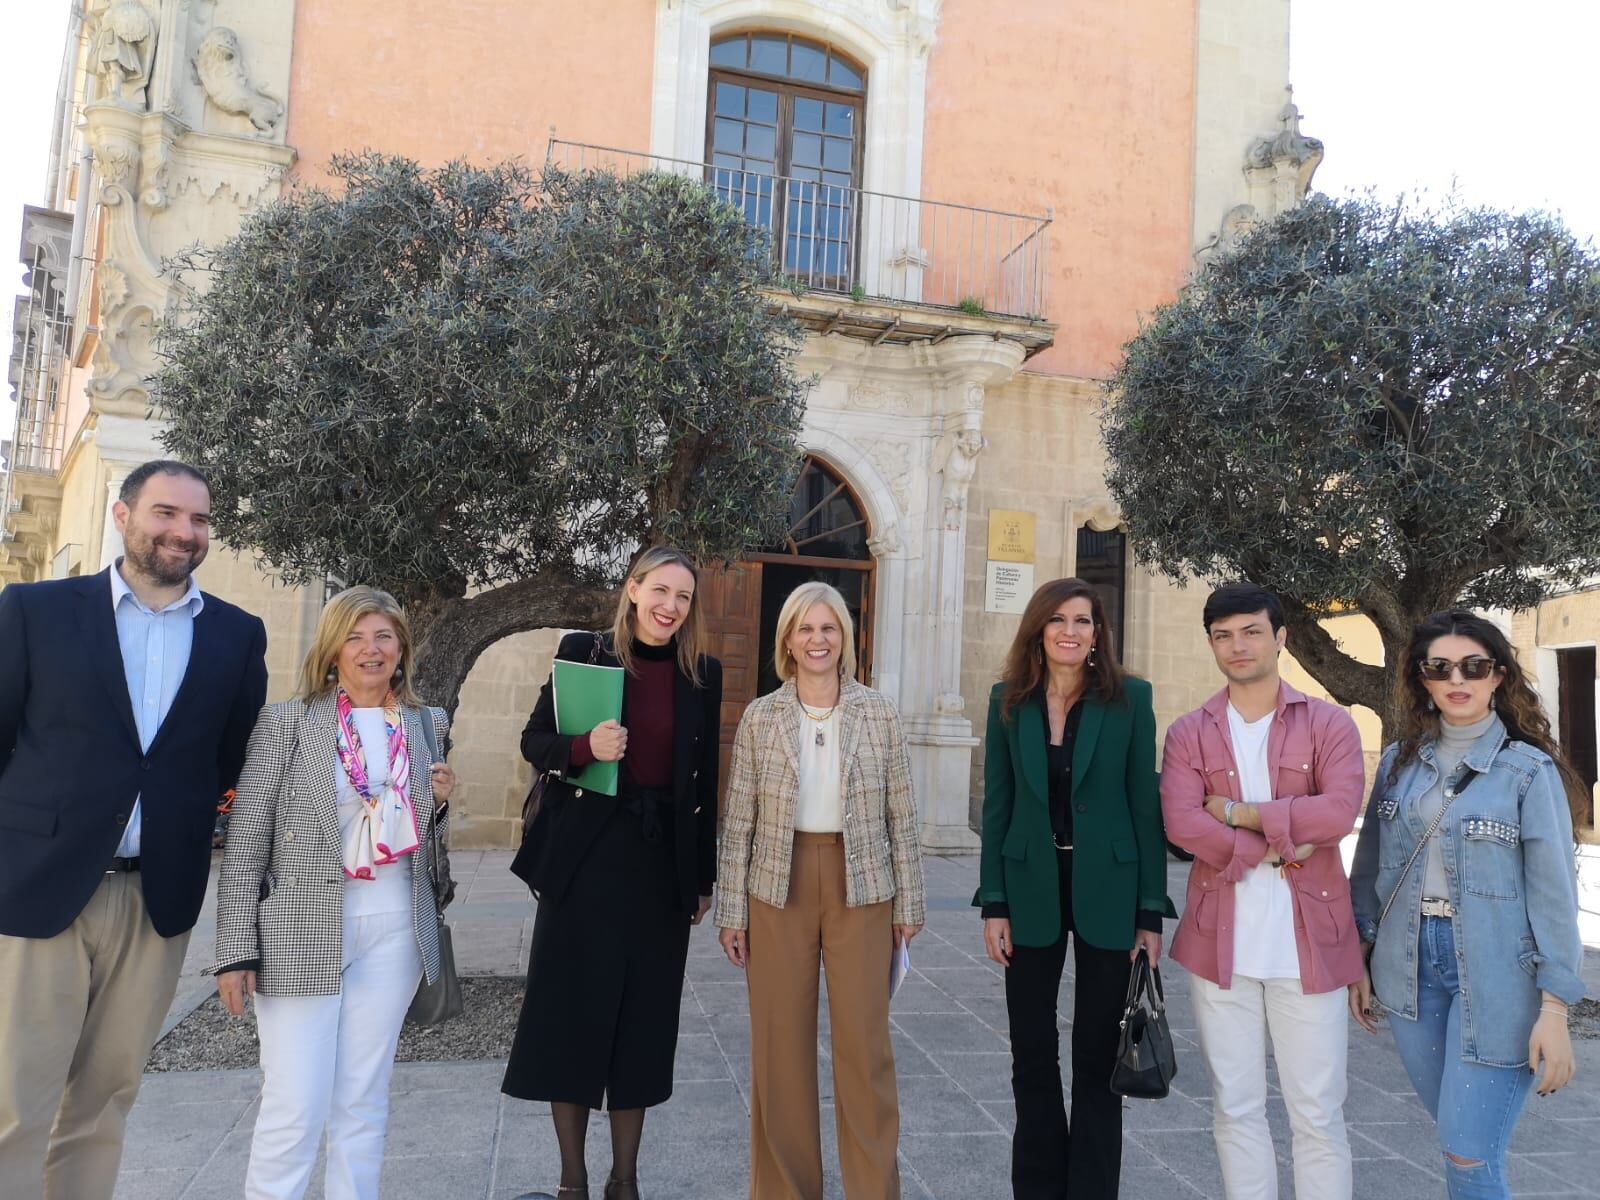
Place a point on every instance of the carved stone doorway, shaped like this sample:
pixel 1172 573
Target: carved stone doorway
pixel 826 540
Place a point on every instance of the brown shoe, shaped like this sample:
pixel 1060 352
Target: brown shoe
pixel 621 1189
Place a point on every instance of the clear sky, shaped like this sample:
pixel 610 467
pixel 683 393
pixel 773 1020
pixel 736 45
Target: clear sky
pixel 1412 94
pixel 1409 95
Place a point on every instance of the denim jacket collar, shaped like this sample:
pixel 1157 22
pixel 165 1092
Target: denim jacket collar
pixel 1482 754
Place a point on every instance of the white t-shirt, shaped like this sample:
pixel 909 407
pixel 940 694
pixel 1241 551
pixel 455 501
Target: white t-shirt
pixel 391 890
pixel 1263 907
pixel 818 809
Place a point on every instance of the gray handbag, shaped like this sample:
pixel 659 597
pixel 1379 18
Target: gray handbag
pixel 440 1000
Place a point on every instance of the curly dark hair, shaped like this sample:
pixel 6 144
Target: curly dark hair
pixel 1516 702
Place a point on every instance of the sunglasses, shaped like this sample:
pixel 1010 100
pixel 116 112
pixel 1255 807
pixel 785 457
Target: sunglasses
pixel 1474 666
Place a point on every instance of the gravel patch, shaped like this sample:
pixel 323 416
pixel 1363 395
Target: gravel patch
pixel 208 1039
pixel 1585 1019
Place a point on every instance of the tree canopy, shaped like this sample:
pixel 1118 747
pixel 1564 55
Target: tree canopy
pixel 1375 408
pixel 483 390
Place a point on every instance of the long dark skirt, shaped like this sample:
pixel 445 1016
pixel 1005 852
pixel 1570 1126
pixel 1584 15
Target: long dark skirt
pixel 605 977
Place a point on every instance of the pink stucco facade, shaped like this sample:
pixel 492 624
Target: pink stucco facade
pixel 1075 106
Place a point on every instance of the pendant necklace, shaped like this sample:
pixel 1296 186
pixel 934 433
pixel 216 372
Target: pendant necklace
pixel 826 713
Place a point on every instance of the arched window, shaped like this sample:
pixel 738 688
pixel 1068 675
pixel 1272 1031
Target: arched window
pixel 826 540
pixel 825 519
pixel 783 141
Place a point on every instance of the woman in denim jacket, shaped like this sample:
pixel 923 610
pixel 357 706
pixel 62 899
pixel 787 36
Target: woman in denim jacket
pixel 1476 951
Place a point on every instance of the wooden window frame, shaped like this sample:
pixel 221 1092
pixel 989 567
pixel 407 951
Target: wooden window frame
pixel 788 89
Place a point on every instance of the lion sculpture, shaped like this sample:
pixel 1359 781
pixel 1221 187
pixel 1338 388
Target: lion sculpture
pixel 220 66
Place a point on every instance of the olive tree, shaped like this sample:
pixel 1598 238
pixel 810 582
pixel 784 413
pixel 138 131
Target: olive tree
pixel 1371 408
pixel 483 391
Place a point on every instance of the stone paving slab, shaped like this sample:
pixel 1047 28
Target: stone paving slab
pixel 452 1135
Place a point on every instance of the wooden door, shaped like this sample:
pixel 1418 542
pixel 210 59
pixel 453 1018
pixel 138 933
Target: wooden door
pixel 731 608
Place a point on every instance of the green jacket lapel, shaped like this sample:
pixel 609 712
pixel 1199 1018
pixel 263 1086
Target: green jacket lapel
pixel 1083 746
pixel 1031 738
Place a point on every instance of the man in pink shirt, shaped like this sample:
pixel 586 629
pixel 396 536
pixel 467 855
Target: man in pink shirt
pixel 1260 784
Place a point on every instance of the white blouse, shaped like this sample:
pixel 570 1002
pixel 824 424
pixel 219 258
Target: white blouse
pixel 818 808
pixel 390 891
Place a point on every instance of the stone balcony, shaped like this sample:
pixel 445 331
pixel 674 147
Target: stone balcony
pixel 885 269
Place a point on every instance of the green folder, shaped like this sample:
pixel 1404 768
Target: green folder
pixel 586 695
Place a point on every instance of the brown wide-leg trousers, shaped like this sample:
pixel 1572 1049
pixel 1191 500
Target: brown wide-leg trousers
pixel 854 946
pixel 78 1015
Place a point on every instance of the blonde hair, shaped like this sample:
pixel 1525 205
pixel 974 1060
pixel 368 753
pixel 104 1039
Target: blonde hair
pixel 339 617
pixel 795 606
pixel 691 634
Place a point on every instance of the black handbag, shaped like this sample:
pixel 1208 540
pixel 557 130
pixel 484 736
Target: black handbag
pixel 523 864
pixel 1146 1061
pixel 440 1000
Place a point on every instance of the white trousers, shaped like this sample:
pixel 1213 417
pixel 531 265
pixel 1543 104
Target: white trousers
pixel 1310 1041
pixel 327 1062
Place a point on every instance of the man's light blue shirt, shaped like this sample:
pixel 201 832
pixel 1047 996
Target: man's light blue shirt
pixel 155 654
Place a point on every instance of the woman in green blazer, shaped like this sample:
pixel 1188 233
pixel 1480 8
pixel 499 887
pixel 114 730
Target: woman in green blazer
pixel 1072 844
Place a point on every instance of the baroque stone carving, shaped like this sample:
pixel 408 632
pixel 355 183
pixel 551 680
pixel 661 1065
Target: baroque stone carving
pixel 885 542
pixel 115 161
pixel 893 460
pixel 1288 145
pixel 875 399
pixel 219 64
pixel 124 47
pixel 114 288
pixel 1278 168
pixel 208 182
pixel 956 460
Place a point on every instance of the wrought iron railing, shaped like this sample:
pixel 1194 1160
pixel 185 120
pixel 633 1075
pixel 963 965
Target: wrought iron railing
pixel 867 245
pixel 37 376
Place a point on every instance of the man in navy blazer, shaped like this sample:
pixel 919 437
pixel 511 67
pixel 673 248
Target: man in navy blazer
pixel 126 701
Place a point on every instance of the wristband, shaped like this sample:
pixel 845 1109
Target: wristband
pixel 1227 813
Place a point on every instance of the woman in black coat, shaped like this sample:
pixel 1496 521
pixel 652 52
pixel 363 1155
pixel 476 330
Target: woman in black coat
pixel 620 879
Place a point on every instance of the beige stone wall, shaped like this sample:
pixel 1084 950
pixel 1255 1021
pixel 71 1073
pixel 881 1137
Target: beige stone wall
pixel 1241 66
pixel 83 505
pixel 487 735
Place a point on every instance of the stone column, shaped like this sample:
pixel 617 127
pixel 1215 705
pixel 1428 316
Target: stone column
pixel 936 722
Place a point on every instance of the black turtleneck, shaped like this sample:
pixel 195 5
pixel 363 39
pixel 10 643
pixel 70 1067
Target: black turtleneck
pixel 647 714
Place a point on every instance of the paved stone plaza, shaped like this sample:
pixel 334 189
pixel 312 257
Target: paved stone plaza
pixel 452 1135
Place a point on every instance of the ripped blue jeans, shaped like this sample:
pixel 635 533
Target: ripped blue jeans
pixel 1474 1106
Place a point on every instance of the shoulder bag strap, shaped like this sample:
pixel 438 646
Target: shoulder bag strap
pixel 594 650
pixel 431 737
pixel 1416 851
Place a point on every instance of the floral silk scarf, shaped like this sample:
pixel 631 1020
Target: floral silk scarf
pixel 386 827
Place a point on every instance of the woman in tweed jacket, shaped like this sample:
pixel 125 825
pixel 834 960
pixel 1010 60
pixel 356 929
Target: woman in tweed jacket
pixel 820 863
pixel 325 911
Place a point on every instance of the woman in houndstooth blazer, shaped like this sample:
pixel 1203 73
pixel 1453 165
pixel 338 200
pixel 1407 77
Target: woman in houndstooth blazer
pixel 820 865
pixel 325 910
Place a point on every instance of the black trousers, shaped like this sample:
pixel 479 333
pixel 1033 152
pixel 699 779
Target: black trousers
pixel 1053 1157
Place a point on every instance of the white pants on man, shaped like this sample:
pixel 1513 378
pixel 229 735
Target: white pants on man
pixel 1310 1043
pixel 327 1062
